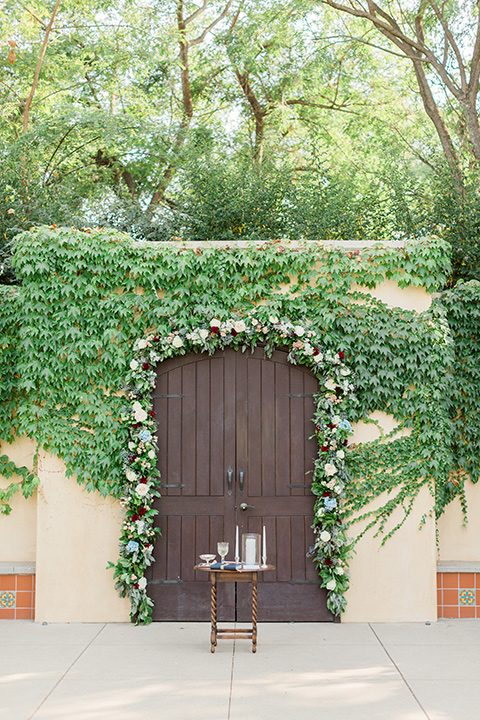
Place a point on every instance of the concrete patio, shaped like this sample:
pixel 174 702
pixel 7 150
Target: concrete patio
pixel 402 671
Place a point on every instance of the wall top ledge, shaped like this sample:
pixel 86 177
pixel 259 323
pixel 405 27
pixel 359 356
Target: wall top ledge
pixel 17 568
pixel 338 244
pixel 463 566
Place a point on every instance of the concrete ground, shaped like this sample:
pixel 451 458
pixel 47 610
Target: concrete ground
pixel 165 671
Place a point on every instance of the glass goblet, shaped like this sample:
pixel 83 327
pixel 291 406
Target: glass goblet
pixel 222 548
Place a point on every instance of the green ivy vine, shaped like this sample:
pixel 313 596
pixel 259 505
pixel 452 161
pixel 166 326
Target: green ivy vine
pixel 86 296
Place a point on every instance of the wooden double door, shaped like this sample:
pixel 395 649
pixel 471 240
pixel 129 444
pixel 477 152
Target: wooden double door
pixel 235 448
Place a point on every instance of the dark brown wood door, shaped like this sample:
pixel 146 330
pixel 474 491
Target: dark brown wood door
pixel 221 418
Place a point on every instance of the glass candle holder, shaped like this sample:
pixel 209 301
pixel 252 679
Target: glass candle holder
pixel 251 549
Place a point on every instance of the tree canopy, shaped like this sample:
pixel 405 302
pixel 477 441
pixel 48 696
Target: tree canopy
pixel 202 118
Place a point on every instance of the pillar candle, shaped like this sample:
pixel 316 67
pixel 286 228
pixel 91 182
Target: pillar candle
pixel 236 543
pixel 264 547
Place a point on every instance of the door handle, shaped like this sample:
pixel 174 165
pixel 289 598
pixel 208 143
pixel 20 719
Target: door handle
pixel 242 476
pixel 229 479
pixel 244 506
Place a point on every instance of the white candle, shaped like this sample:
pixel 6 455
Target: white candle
pixel 250 545
pixel 264 544
pixel 236 544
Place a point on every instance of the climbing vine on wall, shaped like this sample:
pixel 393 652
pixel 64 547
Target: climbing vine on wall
pixel 87 296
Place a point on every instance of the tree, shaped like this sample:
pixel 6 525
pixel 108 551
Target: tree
pixel 442 42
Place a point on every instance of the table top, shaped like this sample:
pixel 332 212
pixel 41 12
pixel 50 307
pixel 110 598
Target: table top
pixel 248 568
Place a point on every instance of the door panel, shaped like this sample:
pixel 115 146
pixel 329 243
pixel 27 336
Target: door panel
pixel 194 404
pixel 274 446
pixel 242 411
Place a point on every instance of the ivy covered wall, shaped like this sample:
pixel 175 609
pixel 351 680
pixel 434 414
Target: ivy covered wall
pixel 68 333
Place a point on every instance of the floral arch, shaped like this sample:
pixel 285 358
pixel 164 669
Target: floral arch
pixel 332 548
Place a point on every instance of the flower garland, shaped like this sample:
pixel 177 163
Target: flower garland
pixel 331 548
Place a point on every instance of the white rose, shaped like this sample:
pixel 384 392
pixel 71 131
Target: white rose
pixel 141 489
pixel 299 330
pixel 340 571
pixel 330 469
pixel 325 536
pixel 336 419
pixel 344 371
pixel 318 358
pixel 136 406
pixel 331 585
pixel 308 349
pixel 131 476
pixel 142 583
pixel 141 344
pixel 151 454
pixel 140 415
pixel 140 526
pixel 131 446
pixel 331 385
pixel 215 322
pixel 340 454
pixel 273 319
pixel 203 333
pixel 239 326
pixel 133 365
pixel 177 342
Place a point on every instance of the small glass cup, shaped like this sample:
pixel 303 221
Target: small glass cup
pixel 222 548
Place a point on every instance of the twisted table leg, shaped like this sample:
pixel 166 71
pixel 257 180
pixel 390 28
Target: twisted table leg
pixel 254 613
pixel 213 614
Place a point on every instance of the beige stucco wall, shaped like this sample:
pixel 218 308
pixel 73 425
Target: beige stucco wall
pixel 18 531
pixel 395 582
pixel 77 534
pixel 458 542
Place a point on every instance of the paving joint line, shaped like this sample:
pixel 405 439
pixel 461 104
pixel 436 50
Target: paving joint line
pixel 231 679
pixel 400 673
pixel 67 671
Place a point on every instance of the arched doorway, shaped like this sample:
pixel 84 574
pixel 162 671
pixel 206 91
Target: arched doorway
pixel 235 428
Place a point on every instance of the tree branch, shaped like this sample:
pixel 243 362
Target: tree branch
pixel 202 37
pixel 28 104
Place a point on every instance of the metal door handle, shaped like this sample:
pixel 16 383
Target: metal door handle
pixel 229 479
pixel 244 506
pixel 242 476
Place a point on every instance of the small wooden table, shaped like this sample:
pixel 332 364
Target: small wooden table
pixel 217 576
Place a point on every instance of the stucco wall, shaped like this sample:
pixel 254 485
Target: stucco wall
pixel 18 531
pixel 458 542
pixel 77 534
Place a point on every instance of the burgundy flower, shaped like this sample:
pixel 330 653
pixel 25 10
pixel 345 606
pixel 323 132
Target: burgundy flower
pixel 156 338
pixel 338 390
pixel 132 458
pixel 136 426
pixel 215 330
pixel 145 366
pixel 151 413
pixel 345 442
pixel 135 585
pixel 142 511
pixel 328 562
pixel 341 355
pixel 316 351
pixel 331 426
pixel 135 517
pixel 234 332
pixel 324 448
pixel 143 480
pixel 326 494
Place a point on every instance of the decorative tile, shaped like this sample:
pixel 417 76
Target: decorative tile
pixel 7 599
pixel 466 597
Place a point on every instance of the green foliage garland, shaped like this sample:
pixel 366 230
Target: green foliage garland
pixel 336 394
